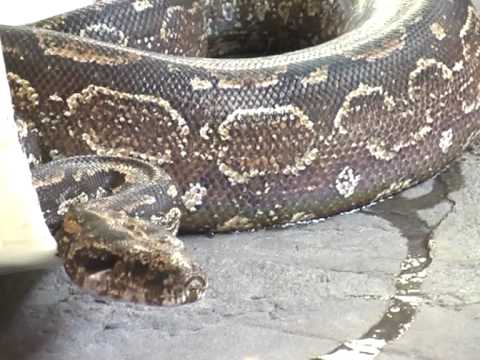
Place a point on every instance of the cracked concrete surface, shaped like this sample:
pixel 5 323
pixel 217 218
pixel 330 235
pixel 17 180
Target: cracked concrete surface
pixel 286 294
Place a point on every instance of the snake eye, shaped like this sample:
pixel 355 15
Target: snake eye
pixel 195 282
pixel 195 287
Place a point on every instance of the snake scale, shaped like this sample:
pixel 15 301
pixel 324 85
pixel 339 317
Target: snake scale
pixel 220 115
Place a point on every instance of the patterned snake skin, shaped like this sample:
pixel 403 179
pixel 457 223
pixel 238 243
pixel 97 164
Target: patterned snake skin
pixel 260 112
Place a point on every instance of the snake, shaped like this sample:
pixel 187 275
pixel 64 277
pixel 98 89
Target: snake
pixel 142 119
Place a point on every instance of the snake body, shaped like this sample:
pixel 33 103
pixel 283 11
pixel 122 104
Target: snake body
pixel 370 99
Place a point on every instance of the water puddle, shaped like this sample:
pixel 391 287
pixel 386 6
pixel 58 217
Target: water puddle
pixel 402 211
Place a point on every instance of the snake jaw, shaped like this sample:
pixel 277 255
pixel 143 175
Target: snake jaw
pixel 112 254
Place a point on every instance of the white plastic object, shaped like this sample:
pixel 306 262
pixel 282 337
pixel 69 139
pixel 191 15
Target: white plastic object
pixel 25 241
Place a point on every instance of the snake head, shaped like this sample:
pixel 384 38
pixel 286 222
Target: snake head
pixel 127 258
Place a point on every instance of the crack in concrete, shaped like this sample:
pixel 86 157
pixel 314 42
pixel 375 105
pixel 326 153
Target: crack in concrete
pixel 303 334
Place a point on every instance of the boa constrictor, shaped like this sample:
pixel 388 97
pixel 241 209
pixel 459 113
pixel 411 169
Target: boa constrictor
pixel 213 115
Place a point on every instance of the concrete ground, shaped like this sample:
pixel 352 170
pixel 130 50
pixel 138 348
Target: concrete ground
pixel 395 281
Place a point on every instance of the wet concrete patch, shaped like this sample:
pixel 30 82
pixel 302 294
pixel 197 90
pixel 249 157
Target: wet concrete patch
pixel 406 212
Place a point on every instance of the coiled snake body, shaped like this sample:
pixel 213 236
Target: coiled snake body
pixel 387 100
